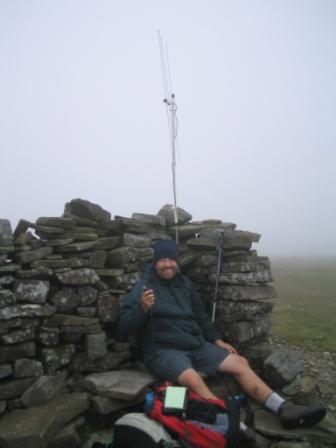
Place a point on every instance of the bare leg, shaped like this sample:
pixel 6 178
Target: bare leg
pixel 191 379
pixel 248 380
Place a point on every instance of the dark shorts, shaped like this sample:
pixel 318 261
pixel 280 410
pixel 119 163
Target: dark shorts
pixel 167 364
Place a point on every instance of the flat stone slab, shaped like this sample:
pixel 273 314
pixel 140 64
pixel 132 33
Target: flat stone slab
pixel 6 235
pixel 32 291
pixel 35 427
pixel 269 424
pixel 155 220
pixel 122 384
pixel 87 210
pixel 82 276
pixel 26 310
pixel 33 255
pixel 168 213
pixel 66 223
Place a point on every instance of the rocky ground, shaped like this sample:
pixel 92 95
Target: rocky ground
pixel 321 366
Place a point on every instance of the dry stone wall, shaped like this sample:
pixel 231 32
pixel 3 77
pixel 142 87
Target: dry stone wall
pixel 62 280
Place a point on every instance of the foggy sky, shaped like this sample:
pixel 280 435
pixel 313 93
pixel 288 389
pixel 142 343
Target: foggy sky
pixel 81 112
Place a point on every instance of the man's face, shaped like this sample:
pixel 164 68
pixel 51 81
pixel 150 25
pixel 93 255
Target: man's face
pixel 166 268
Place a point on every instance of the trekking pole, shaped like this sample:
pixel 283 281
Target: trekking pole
pixel 219 266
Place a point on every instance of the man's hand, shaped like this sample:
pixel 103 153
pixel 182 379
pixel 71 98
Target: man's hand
pixel 228 347
pixel 147 300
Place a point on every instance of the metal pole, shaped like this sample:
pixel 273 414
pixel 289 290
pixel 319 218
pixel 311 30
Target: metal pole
pixel 172 108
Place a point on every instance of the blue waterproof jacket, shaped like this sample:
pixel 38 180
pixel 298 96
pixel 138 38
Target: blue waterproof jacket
pixel 177 320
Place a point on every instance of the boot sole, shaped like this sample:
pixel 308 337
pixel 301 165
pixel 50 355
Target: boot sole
pixel 305 421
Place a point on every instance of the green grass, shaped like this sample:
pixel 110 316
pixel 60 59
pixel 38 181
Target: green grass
pixel 305 308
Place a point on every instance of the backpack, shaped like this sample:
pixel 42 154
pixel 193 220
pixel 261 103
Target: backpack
pixel 136 430
pixel 206 423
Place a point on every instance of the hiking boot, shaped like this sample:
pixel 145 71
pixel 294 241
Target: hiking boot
pixel 252 439
pixel 294 416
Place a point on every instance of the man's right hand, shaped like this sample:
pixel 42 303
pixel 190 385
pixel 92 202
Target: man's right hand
pixel 147 300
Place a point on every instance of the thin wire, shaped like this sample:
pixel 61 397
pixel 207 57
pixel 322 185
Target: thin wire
pixel 168 70
pixel 163 67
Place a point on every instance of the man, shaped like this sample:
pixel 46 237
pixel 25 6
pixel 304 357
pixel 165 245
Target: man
pixel 178 338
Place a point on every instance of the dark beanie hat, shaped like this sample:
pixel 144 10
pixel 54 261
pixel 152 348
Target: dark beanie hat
pixel 165 249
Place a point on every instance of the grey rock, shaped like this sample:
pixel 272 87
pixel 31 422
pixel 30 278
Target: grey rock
pixel 243 332
pixel 22 350
pixel 83 276
pixel 33 291
pixel 3 405
pixel 133 240
pixel 48 336
pixel 6 280
pixel 40 272
pixel 282 366
pixel 51 264
pixel 87 210
pixel 81 236
pixel 103 405
pixel 121 385
pixel 6 249
pixel 9 268
pixel 241 311
pixel 168 212
pixel 158 235
pixel 22 226
pixel 75 247
pixel 246 293
pixel 146 218
pixel 123 255
pixel 107 243
pixel 3 259
pixel 66 437
pixel 44 389
pixel 27 368
pixel 131 225
pixel 80 363
pixel 60 241
pixel 244 278
pixel 26 310
pixel 86 311
pixel 13 388
pixel 65 320
pixel 88 295
pixel 5 370
pixel 9 324
pixel 95 346
pixel 36 427
pixel 109 272
pixel 16 336
pixel 7 298
pixel 64 222
pixel 57 357
pixel 107 307
pixel 6 235
pixel 38 254
pixel 66 299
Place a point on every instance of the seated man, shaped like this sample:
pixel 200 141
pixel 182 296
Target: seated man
pixel 178 338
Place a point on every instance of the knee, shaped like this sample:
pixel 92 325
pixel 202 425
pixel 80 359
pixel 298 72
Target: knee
pixel 191 379
pixel 241 365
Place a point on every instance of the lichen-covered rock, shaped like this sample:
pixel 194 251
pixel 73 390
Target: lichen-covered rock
pixel 32 291
pixel 87 210
pixel 33 255
pixel 168 213
pixel 121 385
pixel 35 427
pixel 84 276
pixel 6 234
pixel 282 366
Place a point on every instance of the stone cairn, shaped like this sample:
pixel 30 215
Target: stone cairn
pixel 62 280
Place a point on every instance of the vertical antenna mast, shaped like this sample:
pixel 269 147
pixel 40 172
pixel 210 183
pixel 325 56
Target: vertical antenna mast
pixel 172 120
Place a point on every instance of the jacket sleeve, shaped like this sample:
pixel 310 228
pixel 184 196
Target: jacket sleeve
pixel 131 317
pixel 210 332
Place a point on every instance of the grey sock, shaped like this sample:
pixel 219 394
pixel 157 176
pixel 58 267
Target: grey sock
pixel 273 402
